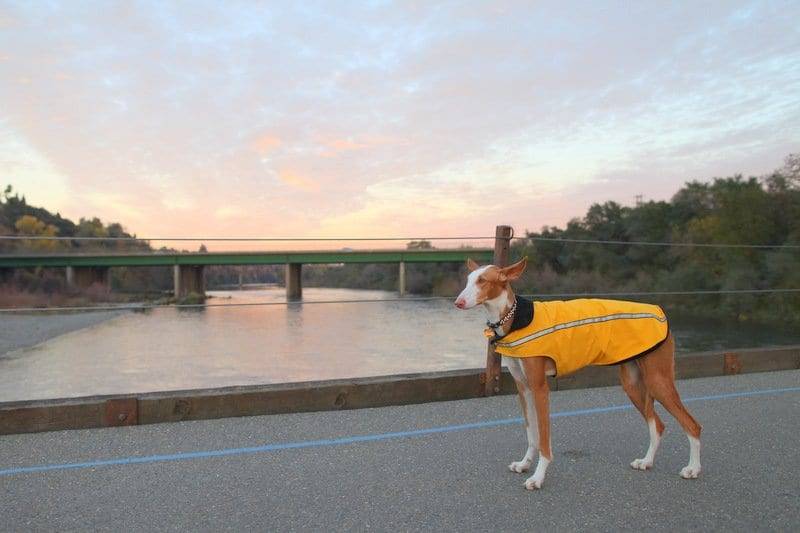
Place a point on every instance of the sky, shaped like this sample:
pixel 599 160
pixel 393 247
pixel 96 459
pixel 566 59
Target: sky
pixel 312 119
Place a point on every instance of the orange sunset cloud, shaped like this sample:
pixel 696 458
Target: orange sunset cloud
pixel 298 181
pixel 266 144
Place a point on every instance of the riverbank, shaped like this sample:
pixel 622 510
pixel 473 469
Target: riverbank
pixel 22 331
pixel 26 329
pixel 11 298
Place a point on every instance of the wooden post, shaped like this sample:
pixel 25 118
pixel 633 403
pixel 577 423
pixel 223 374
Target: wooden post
pixel 401 279
pixel 502 243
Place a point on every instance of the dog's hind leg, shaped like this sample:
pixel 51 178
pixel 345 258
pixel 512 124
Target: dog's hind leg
pixel 658 372
pixel 526 404
pixel 632 384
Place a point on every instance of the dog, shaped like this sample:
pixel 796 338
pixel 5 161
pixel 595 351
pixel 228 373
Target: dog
pixel 540 339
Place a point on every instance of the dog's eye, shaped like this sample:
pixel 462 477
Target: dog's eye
pixel 481 279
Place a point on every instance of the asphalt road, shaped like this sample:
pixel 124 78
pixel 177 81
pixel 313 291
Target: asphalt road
pixel 362 470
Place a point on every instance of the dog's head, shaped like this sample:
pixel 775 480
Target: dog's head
pixel 487 282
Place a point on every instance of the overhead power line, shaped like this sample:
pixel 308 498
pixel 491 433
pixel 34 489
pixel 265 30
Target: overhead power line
pixel 234 239
pixel 376 239
pixel 654 243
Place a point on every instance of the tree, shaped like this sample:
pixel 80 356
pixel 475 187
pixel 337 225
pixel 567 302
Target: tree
pixel 91 228
pixel 791 169
pixel 30 225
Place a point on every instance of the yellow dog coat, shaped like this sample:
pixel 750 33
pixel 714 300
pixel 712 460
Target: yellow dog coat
pixel 579 333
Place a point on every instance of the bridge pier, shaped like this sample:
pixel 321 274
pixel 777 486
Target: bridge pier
pixel 401 279
pixel 294 282
pixel 85 277
pixel 188 279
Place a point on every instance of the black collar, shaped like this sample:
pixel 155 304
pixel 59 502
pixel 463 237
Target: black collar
pixel 523 316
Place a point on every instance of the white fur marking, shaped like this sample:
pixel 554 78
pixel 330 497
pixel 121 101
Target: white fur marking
pixel 537 479
pixel 692 470
pixel 496 306
pixel 647 461
pixel 470 292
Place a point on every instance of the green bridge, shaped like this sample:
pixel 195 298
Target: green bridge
pixel 84 270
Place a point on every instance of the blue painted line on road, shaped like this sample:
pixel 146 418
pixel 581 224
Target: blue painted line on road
pixel 357 439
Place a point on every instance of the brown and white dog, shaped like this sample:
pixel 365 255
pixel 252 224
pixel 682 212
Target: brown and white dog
pixel 644 379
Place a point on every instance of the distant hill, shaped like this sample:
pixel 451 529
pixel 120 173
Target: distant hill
pixel 17 217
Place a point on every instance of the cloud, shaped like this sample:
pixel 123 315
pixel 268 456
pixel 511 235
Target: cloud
pixel 297 181
pixel 266 144
pixel 227 212
pixel 345 144
pixel 388 117
pixel 336 147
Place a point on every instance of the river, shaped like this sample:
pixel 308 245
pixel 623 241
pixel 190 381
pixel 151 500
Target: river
pixel 173 349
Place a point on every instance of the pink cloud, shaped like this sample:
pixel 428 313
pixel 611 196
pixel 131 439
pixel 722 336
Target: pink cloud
pixel 336 146
pixel 345 144
pixel 266 144
pixel 298 181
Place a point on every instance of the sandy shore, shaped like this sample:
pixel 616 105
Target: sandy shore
pixel 21 331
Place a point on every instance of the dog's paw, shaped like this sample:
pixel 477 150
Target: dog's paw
pixel 534 482
pixel 520 466
pixel 690 472
pixel 641 464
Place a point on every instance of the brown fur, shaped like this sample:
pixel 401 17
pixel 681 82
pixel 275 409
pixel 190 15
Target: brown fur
pixel 523 405
pixel 657 381
pixel 537 381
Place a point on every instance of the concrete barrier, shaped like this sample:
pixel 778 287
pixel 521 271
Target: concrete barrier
pixel 174 406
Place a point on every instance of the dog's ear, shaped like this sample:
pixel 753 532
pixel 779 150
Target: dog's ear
pixel 472 265
pixel 513 272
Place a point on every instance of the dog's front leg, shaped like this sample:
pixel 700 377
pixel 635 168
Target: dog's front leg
pixel 535 371
pixel 526 404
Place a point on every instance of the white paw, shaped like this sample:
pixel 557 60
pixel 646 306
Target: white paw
pixel 690 472
pixel 534 482
pixel 520 466
pixel 641 464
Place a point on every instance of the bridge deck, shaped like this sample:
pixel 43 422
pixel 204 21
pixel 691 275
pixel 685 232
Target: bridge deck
pixel 320 475
pixel 245 258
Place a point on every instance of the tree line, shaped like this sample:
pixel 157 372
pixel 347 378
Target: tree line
pixel 732 210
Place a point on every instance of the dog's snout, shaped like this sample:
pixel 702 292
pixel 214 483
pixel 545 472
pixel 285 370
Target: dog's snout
pixel 461 303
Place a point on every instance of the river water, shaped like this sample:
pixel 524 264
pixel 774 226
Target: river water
pixel 174 349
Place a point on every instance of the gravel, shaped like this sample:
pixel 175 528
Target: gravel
pixel 22 331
